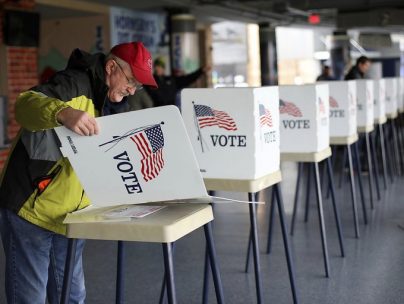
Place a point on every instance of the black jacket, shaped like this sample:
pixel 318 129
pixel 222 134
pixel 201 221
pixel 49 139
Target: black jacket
pixel 354 73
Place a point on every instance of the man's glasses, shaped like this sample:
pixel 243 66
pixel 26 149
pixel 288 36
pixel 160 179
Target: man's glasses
pixel 133 84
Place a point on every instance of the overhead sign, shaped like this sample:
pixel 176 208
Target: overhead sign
pixel 128 26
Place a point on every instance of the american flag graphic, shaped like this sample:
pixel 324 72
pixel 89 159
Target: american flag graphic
pixel 286 107
pixel 333 102
pixel 321 105
pixel 150 143
pixel 208 116
pixel 265 116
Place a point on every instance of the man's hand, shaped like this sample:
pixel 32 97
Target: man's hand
pixel 78 121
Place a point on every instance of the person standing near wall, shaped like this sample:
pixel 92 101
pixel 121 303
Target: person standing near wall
pixel 359 69
pixel 326 74
pixel 39 187
pixel 170 86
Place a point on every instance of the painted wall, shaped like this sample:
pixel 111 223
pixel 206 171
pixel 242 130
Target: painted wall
pixel 59 37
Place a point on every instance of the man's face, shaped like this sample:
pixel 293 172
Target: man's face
pixel 364 67
pixel 120 81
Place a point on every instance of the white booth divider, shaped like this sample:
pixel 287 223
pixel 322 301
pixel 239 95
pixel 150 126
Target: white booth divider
pixel 304 115
pixel 342 108
pixel 234 131
pixel 364 93
pixel 138 157
pixel 391 96
pixel 400 91
pixel 380 100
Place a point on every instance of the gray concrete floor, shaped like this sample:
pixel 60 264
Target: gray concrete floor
pixel 371 273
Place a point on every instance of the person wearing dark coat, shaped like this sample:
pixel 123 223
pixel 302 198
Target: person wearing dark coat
pixel 359 69
pixel 170 86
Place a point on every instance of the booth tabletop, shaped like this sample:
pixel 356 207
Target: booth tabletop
pixel 381 120
pixel 344 140
pixel 311 157
pixel 164 226
pixel 392 115
pixel 243 185
pixel 366 129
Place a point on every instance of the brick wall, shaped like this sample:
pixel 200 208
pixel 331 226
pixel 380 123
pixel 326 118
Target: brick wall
pixel 21 71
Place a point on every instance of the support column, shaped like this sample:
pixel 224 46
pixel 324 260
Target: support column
pixel 339 52
pixel 269 59
pixel 184 44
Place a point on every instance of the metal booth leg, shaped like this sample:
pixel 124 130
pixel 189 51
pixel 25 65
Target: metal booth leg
pixel 289 260
pixel 321 219
pixel 383 153
pixel 353 191
pixel 307 206
pixel 271 221
pixel 69 267
pixel 341 177
pixel 255 245
pixel 334 205
pixel 369 158
pixel 120 280
pixel 299 174
pixel 213 263
pixel 169 272
pixel 395 146
pixel 375 165
pixel 359 170
pixel 389 154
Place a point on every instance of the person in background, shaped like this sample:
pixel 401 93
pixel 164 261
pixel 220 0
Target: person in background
pixel 170 86
pixel 326 74
pixel 359 69
pixel 39 187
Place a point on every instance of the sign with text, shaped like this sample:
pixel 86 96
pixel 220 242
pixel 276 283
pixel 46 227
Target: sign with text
pixel 342 108
pixel 304 118
pixel 234 131
pixel 141 156
pixel 365 105
pixel 128 25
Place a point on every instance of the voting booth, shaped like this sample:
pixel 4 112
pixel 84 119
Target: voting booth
pixel 342 104
pixel 138 157
pixel 391 96
pixel 135 154
pixel 365 99
pixel 304 118
pixel 379 100
pixel 234 131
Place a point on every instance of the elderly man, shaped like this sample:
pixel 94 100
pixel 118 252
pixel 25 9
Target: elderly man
pixel 39 186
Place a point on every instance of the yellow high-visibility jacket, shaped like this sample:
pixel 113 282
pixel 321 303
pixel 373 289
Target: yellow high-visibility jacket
pixel 38 183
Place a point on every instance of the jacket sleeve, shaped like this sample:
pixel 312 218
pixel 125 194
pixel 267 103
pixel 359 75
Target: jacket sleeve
pixel 37 108
pixel 187 80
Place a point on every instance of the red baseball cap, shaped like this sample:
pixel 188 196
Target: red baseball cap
pixel 139 60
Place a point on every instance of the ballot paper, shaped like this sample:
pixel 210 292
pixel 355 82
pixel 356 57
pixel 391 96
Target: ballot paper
pixel 137 157
pixel 132 211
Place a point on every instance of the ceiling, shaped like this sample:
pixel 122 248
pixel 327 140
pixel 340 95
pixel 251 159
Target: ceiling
pixel 344 14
